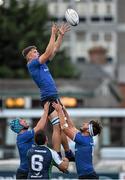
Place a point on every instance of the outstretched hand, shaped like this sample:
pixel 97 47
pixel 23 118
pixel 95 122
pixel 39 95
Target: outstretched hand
pixel 54 28
pixel 64 28
pixel 57 106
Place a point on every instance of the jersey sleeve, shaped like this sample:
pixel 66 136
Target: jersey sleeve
pixel 79 138
pixel 33 64
pixel 56 157
pixel 27 135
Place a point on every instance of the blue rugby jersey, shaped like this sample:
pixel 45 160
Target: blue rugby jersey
pixel 42 77
pixel 83 154
pixel 25 141
pixel 41 159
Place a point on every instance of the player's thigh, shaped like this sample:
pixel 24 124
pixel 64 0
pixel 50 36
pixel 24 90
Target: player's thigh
pixel 53 115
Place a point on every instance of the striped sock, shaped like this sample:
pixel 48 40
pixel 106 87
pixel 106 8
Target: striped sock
pixel 55 121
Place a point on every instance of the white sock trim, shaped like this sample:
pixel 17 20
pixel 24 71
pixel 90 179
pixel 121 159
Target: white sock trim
pixel 55 121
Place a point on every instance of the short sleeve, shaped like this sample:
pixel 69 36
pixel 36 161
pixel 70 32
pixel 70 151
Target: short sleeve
pixel 27 135
pixel 56 157
pixel 33 64
pixel 80 139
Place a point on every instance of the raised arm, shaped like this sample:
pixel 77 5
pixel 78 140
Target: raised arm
pixel 61 32
pixel 69 130
pixel 68 119
pixel 61 164
pixel 43 120
pixel 49 50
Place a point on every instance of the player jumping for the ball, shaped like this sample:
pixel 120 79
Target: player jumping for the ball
pixel 38 69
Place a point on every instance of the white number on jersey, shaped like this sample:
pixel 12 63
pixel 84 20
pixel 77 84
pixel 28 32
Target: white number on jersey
pixel 36 162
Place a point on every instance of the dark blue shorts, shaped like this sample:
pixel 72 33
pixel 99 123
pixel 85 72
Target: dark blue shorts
pixel 51 100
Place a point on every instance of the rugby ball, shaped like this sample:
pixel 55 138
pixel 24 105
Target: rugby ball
pixel 1 2
pixel 72 17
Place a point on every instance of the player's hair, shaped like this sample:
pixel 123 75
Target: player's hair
pixel 97 127
pixel 40 138
pixel 27 50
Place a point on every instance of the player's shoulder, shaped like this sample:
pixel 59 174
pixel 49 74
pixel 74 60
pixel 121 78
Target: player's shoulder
pixel 27 134
pixel 44 147
pixel 78 133
pixel 33 62
pixel 30 131
pixel 48 150
pixel 53 153
pixel 78 136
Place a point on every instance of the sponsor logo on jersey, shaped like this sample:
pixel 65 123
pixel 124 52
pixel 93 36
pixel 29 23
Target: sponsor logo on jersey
pixel 46 69
pixel 43 151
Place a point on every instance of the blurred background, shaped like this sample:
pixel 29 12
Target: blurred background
pixel 89 72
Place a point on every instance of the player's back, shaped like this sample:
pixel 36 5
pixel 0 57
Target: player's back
pixel 40 162
pixel 25 141
pixel 83 154
pixel 42 77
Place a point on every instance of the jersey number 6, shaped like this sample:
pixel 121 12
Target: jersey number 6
pixel 36 162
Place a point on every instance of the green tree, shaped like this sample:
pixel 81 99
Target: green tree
pixel 23 24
